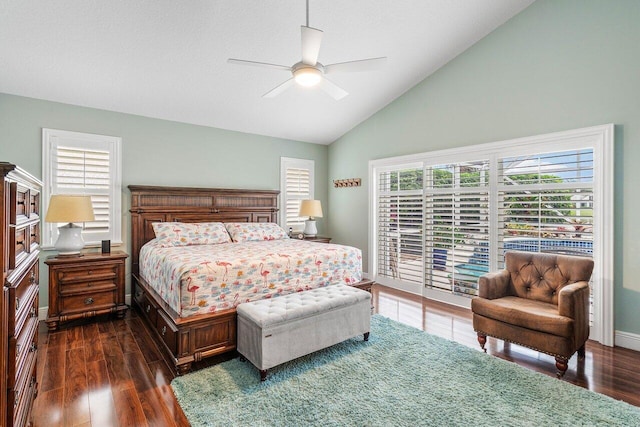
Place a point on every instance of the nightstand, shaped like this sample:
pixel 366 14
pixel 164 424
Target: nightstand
pixel 85 286
pixel 319 239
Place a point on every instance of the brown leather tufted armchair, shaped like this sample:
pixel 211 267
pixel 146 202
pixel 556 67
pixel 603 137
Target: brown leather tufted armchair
pixel 540 301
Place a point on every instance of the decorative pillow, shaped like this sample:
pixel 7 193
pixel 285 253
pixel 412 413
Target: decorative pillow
pixel 185 233
pixel 252 231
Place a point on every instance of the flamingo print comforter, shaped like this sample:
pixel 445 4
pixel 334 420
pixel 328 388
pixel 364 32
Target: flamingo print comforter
pixel 207 278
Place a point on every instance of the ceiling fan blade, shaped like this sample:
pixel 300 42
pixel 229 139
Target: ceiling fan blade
pixel 279 89
pixel 358 65
pixel 258 64
pixel 332 89
pixel 311 41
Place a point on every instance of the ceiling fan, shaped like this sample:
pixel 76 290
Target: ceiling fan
pixel 309 72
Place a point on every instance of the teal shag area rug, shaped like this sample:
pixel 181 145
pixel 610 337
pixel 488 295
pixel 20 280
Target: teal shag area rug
pixel 400 377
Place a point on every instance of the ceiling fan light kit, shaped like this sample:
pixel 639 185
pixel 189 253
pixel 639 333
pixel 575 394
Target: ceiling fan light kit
pixel 305 75
pixel 309 72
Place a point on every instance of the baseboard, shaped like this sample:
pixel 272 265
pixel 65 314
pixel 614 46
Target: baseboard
pixel 627 340
pixel 42 311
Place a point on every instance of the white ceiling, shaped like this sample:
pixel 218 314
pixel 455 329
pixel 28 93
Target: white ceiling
pixel 167 59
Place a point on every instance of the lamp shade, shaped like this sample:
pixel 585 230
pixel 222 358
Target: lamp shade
pixel 69 208
pixel 311 208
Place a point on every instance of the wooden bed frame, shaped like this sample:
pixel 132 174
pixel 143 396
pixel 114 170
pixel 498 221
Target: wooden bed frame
pixel 183 341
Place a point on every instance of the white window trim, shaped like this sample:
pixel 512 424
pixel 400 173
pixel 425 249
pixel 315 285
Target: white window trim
pixel 290 162
pixel 115 143
pixel 601 138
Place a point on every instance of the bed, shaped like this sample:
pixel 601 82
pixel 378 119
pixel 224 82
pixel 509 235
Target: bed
pixel 190 306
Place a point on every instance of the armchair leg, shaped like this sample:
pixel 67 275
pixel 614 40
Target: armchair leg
pixel 561 365
pixel 582 352
pixel 482 339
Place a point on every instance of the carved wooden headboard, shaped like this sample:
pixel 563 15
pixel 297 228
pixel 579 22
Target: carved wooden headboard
pixel 151 204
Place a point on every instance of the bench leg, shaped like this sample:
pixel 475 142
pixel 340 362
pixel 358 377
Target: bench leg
pixel 366 336
pixel 263 374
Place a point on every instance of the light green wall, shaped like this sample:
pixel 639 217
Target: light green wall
pixel 558 65
pixel 155 152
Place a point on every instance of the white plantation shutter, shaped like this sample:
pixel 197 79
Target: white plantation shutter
pixel 546 205
pixel 76 163
pixel 457 224
pixel 399 224
pixel 296 185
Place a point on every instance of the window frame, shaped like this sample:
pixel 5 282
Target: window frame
pixel 600 138
pixel 287 163
pixel 88 141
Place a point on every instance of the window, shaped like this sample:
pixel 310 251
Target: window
pixel 80 163
pixel 442 219
pixel 296 184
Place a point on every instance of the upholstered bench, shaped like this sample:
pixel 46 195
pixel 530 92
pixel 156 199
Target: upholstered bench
pixel 277 330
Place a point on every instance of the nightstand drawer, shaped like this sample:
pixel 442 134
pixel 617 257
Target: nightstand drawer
pixel 86 287
pixel 90 301
pixel 87 273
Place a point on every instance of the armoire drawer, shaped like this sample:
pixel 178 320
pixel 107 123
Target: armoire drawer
pixel 20 397
pixel 22 294
pixel 18 203
pixel 19 245
pixel 22 348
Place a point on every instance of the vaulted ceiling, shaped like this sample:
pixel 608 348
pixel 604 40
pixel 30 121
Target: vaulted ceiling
pixel 168 59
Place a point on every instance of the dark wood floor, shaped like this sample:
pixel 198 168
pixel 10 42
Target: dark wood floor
pixel 108 372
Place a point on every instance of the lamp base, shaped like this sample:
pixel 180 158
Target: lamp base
pixel 69 241
pixel 310 228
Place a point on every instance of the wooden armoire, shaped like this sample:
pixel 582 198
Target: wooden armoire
pixel 20 249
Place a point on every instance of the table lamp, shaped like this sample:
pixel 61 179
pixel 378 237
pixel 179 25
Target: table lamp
pixel 312 209
pixel 69 208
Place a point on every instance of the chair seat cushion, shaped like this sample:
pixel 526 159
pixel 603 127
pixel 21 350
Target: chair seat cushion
pixel 530 314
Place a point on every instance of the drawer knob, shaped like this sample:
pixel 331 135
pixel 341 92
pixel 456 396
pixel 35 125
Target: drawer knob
pixel 32 278
pixel 90 272
pixel 88 301
pixel 148 308
pixel 32 312
pixel 33 347
pixel 18 351
pixel 164 330
pixel 17 303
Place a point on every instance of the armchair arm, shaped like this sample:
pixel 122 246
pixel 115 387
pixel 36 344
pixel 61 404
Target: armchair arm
pixel 494 285
pixel 573 301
